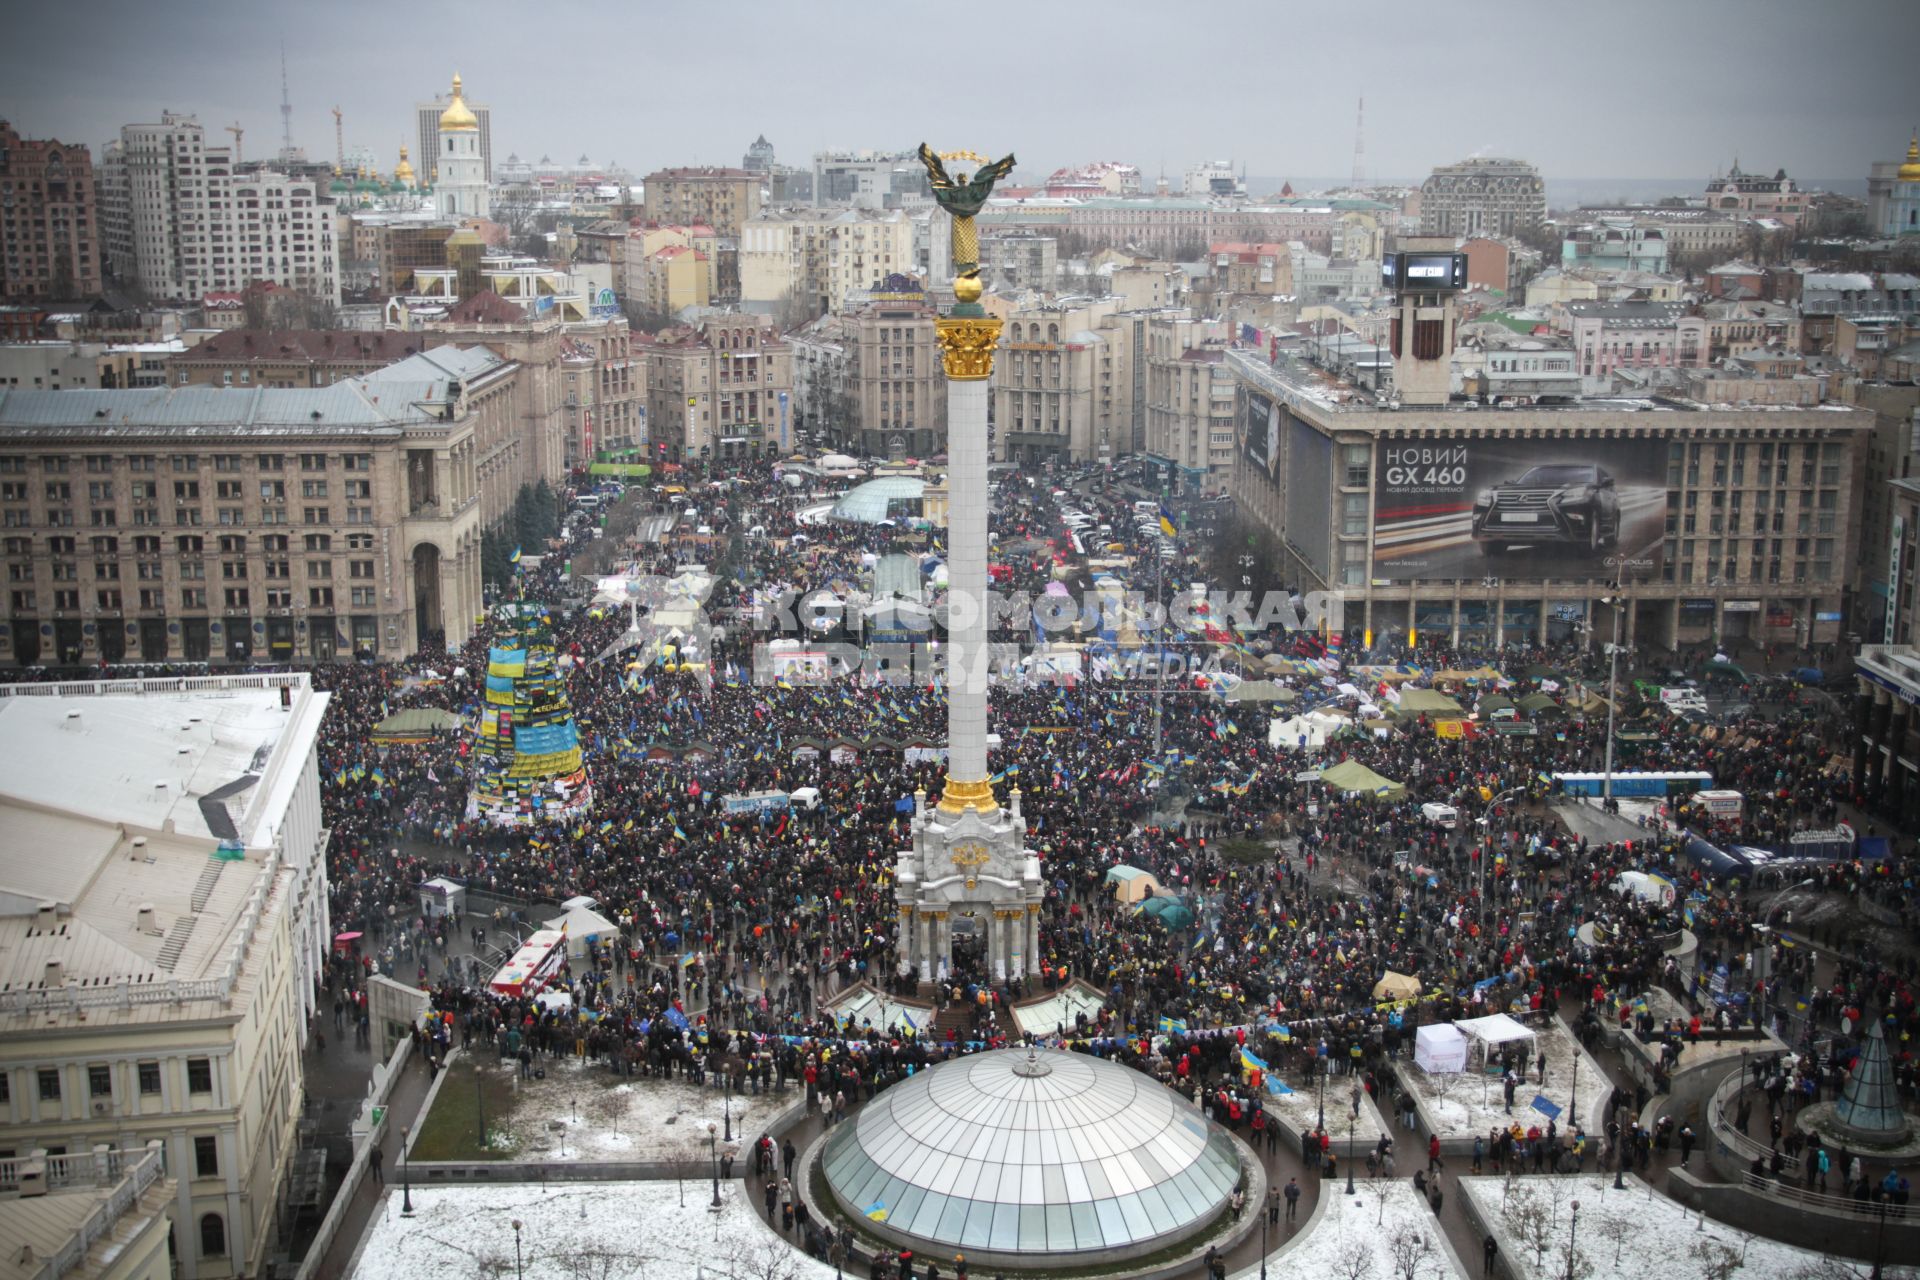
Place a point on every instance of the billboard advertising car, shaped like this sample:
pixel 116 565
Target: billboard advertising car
pixel 1260 432
pixel 1514 508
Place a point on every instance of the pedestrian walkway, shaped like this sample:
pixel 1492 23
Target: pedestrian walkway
pixel 403 1109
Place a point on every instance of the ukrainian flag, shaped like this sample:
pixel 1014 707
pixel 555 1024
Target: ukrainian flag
pixel 877 1211
pixel 515 557
pixel 678 834
pixel 1166 523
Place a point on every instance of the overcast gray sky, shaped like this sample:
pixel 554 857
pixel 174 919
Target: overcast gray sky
pixel 1630 88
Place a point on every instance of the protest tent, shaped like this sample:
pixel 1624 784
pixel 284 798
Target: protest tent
pixel 1536 705
pixel 1492 703
pixel 1350 777
pixel 1315 727
pixel 1494 1031
pixel 1260 691
pixel 417 724
pixel 1131 884
pixel 1430 703
pixel 1440 1049
pixel 1396 986
pixel 1168 911
pixel 442 897
pixel 583 925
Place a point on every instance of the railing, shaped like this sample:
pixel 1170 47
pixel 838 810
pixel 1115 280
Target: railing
pixel 158 684
pixel 1724 1128
pixel 129 1178
pixel 1826 1203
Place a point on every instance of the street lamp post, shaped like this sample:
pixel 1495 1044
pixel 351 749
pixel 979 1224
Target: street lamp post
pixel 1266 1217
pixel 1322 1068
pixel 480 1105
pixel 1763 954
pixel 713 1155
pixel 1618 605
pixel 406 1184
pixel 726 1097
pixel 1486 852
pixel 517 1271
pixel 1351 1118
pixel 1573 1229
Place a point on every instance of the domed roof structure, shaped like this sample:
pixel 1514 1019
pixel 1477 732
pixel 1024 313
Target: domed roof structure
pixel 874 501
pixel 1910 171
pixel 1010 1153
pixel 403 172
pixel 458 115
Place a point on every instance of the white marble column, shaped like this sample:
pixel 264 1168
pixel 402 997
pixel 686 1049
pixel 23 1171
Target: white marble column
pixel 967 652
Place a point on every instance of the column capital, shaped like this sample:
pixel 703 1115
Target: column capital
pixel 966 346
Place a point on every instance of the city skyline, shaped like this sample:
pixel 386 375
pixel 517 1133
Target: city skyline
pixel 1434 94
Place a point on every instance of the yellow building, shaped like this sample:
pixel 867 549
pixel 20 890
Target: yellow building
pixel 163 928
pixel 819 258
pixel 101 1215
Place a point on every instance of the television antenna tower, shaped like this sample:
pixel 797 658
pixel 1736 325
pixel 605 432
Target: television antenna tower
pixel 339 143
pixel 286 106
pixel 237 132
pixel 1360 145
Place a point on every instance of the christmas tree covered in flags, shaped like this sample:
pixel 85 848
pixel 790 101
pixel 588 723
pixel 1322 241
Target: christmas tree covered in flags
pixel 527 760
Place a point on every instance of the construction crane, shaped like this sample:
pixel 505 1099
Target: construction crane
pixel 236 131
pixel 339 144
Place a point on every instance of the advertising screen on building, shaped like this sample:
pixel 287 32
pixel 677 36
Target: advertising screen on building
pixel 1519 509
pixel 1260 432
pixel 1309 494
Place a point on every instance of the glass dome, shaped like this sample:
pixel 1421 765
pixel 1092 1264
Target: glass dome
pixel 1010 1152
pixel 886 498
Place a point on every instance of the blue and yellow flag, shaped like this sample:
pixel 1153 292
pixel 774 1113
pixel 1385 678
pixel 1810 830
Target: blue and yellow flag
pixel 1166 523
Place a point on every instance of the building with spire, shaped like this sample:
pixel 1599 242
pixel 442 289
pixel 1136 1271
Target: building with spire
pixel 1893 194
pixel 461 188
pixel 427 133
pixel 759 157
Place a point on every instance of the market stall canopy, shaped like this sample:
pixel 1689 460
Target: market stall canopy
pixel 1430 703
pixel 1482 675
pixel 1351 777
pixel 1308 732
pixel 1260 691
pixel 1131 884
pixel 417 724
pixel 1396 986
pixel 583 925
pixel 1440 1049
pixel 1587 702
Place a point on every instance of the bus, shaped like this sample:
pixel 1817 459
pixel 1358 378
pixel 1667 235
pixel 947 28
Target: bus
pixel 1631 783
pixel 534 965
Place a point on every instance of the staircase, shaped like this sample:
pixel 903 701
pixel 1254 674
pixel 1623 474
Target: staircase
pixel 203 890
pixel 957 1018
pixel 176 942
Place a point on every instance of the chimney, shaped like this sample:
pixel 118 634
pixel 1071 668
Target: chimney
pixel 72 721
pixel 147 922
pixel 138 850
pixel 47 916
pixel 54 976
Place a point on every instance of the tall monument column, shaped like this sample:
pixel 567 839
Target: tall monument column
pixel 969 853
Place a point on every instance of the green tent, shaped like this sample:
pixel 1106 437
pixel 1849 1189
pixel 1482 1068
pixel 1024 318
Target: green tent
pixel 1429 703
pixel 417 724
pixel 1350 777
pixel 1535 705
pixel 1260 691
pixel 1168 911
pixel 1493 702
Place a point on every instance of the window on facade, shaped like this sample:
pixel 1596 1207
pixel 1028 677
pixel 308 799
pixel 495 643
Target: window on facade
pixel 206 1156
pixel 49 1080
pixel 199 1075
pixel 100 1082
pixel 213 1236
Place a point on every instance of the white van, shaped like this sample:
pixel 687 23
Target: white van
pixel 1682 699
pixel 805 797
pixel 1441 815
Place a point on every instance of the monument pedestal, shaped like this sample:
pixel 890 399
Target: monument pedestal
pixel 969 877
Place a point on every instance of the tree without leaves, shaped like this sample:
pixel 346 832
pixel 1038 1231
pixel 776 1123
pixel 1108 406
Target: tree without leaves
pixel 1410 1255
pixel 1716 1259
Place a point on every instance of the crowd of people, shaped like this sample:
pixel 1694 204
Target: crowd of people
pixel 734 929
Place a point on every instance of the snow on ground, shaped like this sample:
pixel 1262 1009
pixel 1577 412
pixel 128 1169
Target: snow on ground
pixel 656 1120
pixel 1301 1111
pixel 1620 1233
pixel 1381 1218
pixel 1472 1104
pixel 864 1008
pixel 1061 1009
pixel 629 1231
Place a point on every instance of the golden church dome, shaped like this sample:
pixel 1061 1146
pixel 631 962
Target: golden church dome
pixel 1910 171
pixel 403 172
pixel 458 116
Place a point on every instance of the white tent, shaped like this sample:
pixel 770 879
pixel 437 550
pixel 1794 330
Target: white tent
pixel 583 925
pixel 442 897
pixel 1440 1049
pixel 1315 726
pixel 1493 1030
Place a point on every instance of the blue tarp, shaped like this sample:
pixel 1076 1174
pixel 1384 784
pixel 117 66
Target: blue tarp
pixel 546 739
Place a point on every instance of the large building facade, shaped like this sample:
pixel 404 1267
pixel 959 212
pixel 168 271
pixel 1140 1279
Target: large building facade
pixel 426 121
pixel 1732 526
pixel 163 934
pixel 1070 384
pixel 1190 404
pixel 49 228
pixel 1482 197
pixel 460 186
pixel 179 223
pixel 819 260
pixel 899 390
pixel 724 199
pixel 721 391
pixel 193 524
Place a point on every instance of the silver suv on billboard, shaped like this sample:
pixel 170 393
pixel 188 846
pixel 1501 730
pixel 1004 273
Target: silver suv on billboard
pixel 1573 504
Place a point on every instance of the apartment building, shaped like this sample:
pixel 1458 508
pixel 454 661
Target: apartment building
pixel 820 259
pixel 1482 196
pixel 1754 195
pixel 720 390
pixel 1190 405
pixel 287 358
pixel 724 199
pixel 1070 384
pixel 194 524
pixel 178 222
pixel 899 386
pixel 49 227
pixel 163 931
pixel 868 179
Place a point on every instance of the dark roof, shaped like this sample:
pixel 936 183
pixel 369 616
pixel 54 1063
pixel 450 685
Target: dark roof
pixel 485 307
pixel 319 345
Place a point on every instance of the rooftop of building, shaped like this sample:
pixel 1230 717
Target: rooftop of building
pixel 318 345
pixel 410 393
pixel 1629 310
pixel 485 307
pixel 88 1217
pixel 687 172
pixel 117 798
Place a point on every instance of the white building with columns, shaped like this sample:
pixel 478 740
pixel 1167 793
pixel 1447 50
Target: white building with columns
pixel 163 927
pixel 461 188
